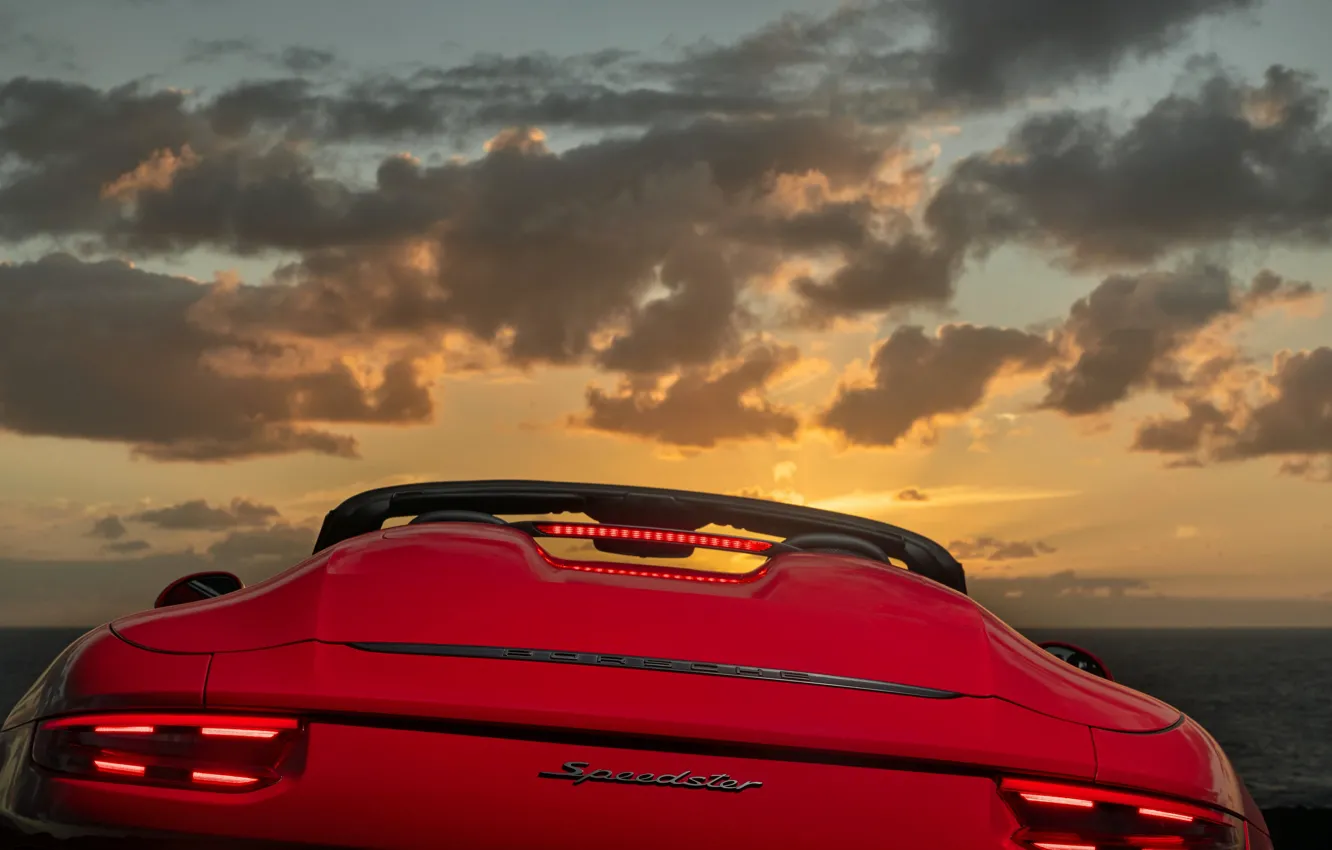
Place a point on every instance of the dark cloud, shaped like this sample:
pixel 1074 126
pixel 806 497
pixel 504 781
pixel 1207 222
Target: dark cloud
pixel 1128 333
pixel 108 528
pixel 682 178
pixel 1185 434
pixel 1065 583
pixel 991 51
pixel 1297 417
pixel 69 141
pixel 296 59
pixel 639 253
pixel 692 325
pixel 283 545
pixel 1291 419
pixel 969 53
pixel 918 378
pixel 128 547
pixel 993 549
pixel 78 337
pixel 913 495
pixel 701 409
pixel 1310 469
pixel 531 250
pixel 899 269
pixel 65 142
pixel 198 515
pixel 1220 162
pixel 303 60
pixel 202 50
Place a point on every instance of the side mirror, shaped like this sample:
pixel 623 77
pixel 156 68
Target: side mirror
pixel 1078 657
pixel 197 586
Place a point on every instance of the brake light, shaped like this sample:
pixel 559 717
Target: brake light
pixel 202 751
pixel 654 535
pixel 1055 816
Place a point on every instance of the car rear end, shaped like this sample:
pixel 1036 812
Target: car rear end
pixel 463 687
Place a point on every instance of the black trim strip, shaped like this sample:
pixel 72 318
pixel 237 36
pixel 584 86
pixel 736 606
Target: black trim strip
pixel 636 662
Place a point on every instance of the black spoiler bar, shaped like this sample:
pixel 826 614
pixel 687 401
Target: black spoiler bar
pixel 625 505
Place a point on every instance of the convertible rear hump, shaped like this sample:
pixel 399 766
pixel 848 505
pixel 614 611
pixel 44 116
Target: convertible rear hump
pixel 810 622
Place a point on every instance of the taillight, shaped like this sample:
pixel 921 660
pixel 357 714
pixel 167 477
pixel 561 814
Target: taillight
pixel 1055 816
pixel 654 535
pixel 201 751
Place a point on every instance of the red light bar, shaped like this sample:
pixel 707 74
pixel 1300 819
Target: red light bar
pixel 1057 801
pixel 1157 813
pixel 130 723
pixel 654 535
pixel 215 752
pixel 1066 816
pixel 219 732
pixel 222 778
pixel 123 768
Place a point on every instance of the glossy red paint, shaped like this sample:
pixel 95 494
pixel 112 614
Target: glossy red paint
pixel 493 586
pixel 333 679
pixel 431 789
pixel 447 748
pixel 100 672
pixel 1185 762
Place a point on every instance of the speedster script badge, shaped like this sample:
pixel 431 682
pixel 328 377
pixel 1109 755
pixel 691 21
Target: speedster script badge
pixel 578 772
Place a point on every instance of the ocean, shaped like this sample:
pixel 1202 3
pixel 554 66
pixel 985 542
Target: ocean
pixel 1265 695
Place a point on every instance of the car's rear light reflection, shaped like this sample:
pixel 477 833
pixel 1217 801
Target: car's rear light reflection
pixel 1056 816
pixel 201 751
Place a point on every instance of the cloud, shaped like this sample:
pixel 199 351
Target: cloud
pixel 877 503
pixel 917 379
pixel 644 253
pixel 122 343
pixel 534 251
pixel 784 472
pixel 789 497
pixel 1128 334
pixel 993 549
pixel 198 515
pixel 1288 415
pixel 296 59
pixel 108 528
pixel 900 269
pixel 851 64
pixel 701 408
pixel 536 254
pixel 959 53
pixel 280 546
pixel 1220 162
pixel 1065 583
pixel 1310 469
pixel 987 52
pixel 128 547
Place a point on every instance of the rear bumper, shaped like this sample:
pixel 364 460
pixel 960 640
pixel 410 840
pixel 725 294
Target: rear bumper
pixel 373 787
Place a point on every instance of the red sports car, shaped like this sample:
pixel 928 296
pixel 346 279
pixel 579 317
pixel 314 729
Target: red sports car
pixel 545 665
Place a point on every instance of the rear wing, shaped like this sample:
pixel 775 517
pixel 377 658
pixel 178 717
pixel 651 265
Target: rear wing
pixel 639 506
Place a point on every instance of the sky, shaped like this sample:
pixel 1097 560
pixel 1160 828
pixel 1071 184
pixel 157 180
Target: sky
pixel 1044 281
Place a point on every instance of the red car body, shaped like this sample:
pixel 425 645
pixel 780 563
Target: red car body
pixel 453 684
